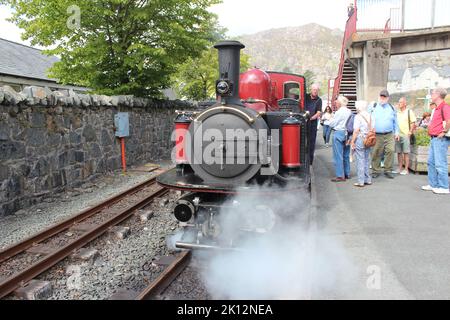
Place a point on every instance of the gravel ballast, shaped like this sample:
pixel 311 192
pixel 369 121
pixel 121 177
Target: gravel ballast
pixel 25 223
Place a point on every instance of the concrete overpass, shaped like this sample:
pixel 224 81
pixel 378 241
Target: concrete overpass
pixel 369 54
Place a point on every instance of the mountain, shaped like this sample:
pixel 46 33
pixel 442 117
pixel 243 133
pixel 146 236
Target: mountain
pixel 296 49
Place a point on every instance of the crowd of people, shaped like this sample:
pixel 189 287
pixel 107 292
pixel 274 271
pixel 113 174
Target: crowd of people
pixel 377 132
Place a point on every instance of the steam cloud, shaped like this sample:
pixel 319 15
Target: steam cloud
pixel 293 261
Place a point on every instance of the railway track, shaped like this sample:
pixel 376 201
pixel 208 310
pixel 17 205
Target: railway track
pixel 166 277
pixel 87 226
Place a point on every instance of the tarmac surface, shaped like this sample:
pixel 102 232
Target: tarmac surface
pixel 396 236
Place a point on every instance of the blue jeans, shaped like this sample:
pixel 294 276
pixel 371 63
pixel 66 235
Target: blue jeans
pixel 438 164
pixel 362 155
pixel 341 154
pixel 326 133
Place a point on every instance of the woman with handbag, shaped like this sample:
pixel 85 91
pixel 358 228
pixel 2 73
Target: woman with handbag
pixel 364 138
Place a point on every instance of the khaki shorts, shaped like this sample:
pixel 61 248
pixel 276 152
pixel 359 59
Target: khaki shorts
pixel 403 146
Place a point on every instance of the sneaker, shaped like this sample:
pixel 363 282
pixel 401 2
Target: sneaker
pixel 404 173
pixel 395 172
pixel 427 188
pixel 382 164
pixel 441 191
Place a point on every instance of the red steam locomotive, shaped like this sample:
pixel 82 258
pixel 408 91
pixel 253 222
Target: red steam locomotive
pixel 252 141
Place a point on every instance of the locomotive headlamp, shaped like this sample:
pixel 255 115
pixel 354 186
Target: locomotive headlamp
pixel 224 88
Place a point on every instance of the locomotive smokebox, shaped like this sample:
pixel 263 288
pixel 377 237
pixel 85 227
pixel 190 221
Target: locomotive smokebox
pixel 227 87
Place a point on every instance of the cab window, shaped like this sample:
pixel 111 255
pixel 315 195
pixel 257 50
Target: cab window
pixel 292 90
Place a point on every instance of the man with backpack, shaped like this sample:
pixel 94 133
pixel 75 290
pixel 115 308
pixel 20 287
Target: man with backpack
pixel 387 132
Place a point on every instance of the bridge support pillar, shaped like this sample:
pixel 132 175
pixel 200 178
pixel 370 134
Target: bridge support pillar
pixel 375 69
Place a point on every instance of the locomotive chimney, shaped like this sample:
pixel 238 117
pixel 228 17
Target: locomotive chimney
pixel 227 87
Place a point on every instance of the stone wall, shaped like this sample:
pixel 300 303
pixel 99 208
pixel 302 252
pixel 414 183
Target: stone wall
pixel 50 141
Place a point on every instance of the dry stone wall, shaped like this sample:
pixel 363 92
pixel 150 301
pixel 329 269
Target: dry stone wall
pixel 50 141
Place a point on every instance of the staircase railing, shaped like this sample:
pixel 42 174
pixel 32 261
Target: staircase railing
pixel 350 29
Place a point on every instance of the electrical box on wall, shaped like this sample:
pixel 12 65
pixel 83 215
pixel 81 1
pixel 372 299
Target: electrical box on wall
pixel 122 124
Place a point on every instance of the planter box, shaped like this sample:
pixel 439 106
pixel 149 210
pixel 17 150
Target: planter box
pixel 419 157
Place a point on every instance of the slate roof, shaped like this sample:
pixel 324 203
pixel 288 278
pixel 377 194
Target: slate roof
pixel 19 60
pixel 444 72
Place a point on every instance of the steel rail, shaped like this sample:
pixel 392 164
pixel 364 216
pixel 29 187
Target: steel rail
pixel 15 281
pixel 66 224
pixel 166 277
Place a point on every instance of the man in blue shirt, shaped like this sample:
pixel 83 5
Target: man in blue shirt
pixel 387 130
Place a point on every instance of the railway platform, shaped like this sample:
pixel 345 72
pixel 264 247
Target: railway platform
pixel 397 235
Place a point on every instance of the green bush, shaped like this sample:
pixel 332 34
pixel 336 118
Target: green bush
pixel 422 138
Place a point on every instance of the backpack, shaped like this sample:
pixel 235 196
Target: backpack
pixel 349 124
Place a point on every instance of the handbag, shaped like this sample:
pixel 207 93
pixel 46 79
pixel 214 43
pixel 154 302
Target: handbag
pixel 412 138
pixel 371 138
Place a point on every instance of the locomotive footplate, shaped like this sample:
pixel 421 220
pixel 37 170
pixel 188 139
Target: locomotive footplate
pixel 188 181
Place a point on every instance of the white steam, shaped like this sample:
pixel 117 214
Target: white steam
pixel 293 261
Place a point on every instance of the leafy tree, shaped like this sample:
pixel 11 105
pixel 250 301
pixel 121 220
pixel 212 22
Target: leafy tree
pixel 117 46
pixel 310 78
pixel 196 79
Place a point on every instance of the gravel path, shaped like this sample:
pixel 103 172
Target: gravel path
pixel 27 222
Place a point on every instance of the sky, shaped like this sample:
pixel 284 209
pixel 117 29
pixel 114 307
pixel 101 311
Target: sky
pixel 8 30
pixel 247 16
pixel 251 16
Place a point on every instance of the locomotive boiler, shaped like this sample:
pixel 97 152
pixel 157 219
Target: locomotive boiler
pixel 252 141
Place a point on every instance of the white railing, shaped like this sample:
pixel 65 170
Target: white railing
pixel 402 15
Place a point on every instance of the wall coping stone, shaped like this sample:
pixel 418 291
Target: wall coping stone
pixel 44 97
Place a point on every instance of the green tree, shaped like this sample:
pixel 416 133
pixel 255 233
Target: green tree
pixel 117 46
pixel 196 79
pixel 310 78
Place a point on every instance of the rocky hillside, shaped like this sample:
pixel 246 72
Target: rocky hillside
pixel 296 49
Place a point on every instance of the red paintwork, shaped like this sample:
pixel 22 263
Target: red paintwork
pixel 278 79
pixel 181 130
pixel 290 145
pixel 266 88
pixel 255 84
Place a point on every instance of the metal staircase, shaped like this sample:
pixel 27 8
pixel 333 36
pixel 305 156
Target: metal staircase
pixel 345 83
pixel 347 86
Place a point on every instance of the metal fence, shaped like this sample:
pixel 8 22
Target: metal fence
pixel 402 15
